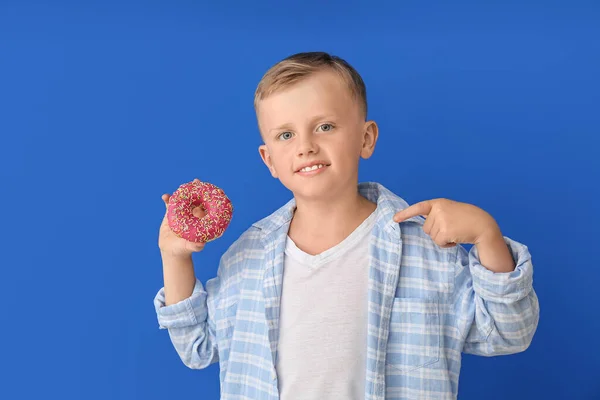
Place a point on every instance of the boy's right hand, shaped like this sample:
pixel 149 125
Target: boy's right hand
pixel 171 244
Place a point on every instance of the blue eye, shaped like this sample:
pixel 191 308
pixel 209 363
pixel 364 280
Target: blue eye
pixel 329 127
pixel 285 136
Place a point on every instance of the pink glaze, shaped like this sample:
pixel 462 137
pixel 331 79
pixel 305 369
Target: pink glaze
pixel 212 199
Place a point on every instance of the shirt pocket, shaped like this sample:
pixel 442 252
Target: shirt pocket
pixel 414 338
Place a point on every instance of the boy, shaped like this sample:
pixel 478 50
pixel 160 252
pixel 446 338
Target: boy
pixel 345 292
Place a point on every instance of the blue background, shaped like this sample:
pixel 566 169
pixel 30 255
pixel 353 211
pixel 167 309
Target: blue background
pixel 105 106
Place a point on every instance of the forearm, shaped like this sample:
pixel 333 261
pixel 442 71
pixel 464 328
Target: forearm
pixel 179 277
pixel 494 254
pixel 182 307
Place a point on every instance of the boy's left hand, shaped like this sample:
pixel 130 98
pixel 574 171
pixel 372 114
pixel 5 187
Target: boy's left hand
pixel 450 222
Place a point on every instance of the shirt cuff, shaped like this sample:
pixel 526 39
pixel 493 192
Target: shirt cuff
pixel 503 287
pixel 187 312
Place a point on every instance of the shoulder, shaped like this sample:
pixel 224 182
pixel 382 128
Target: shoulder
pixel 415 241
pixel 250 244
pixel 246 244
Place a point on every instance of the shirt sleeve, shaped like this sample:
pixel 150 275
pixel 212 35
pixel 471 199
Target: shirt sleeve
pixel 187 312
pixel 497 313
pixel 190 324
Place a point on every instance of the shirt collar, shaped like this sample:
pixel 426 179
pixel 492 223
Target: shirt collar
pixel 387 202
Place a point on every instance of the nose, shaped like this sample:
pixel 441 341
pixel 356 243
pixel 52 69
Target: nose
pixel 307 145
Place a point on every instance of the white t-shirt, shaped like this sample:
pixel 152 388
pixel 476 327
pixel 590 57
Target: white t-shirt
pixel 323 320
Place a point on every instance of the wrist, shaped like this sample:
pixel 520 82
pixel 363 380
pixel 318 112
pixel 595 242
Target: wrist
pixel 172 257
pixel 492 235
pixel 494 253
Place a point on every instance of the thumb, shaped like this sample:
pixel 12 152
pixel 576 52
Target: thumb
pixel 165 197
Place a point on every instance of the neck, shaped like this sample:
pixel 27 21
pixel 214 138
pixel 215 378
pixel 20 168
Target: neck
pixel 330 219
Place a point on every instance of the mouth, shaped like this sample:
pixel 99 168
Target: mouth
pixel 313 167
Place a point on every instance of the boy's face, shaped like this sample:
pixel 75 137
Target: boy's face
pixel 316 121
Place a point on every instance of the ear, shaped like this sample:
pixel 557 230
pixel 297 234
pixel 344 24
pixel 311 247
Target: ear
pixel 369 139
pixel 263 150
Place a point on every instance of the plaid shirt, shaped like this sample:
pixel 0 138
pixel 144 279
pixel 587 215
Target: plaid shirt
pixel 426 306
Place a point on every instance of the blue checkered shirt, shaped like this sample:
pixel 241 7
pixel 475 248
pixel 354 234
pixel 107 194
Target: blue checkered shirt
pixel 426 306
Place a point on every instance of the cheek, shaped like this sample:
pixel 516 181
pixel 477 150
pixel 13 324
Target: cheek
pixel 278 159
pixel 347 151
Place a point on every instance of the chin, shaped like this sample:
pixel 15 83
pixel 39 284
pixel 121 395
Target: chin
pixel 312 189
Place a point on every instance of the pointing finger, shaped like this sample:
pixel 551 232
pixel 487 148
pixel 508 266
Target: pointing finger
pixel 421 208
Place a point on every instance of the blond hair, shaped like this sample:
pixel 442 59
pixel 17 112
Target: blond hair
pixel 301 65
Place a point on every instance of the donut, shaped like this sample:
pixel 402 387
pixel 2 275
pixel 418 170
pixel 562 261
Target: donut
pixel 214 202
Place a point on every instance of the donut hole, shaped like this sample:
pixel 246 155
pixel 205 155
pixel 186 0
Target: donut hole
pixel 198 211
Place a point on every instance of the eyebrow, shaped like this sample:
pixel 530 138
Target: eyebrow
pixel 279 128
pixel 312 121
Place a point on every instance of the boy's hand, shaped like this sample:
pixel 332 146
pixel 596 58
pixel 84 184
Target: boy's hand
pixel 171 244
pixel 450 222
